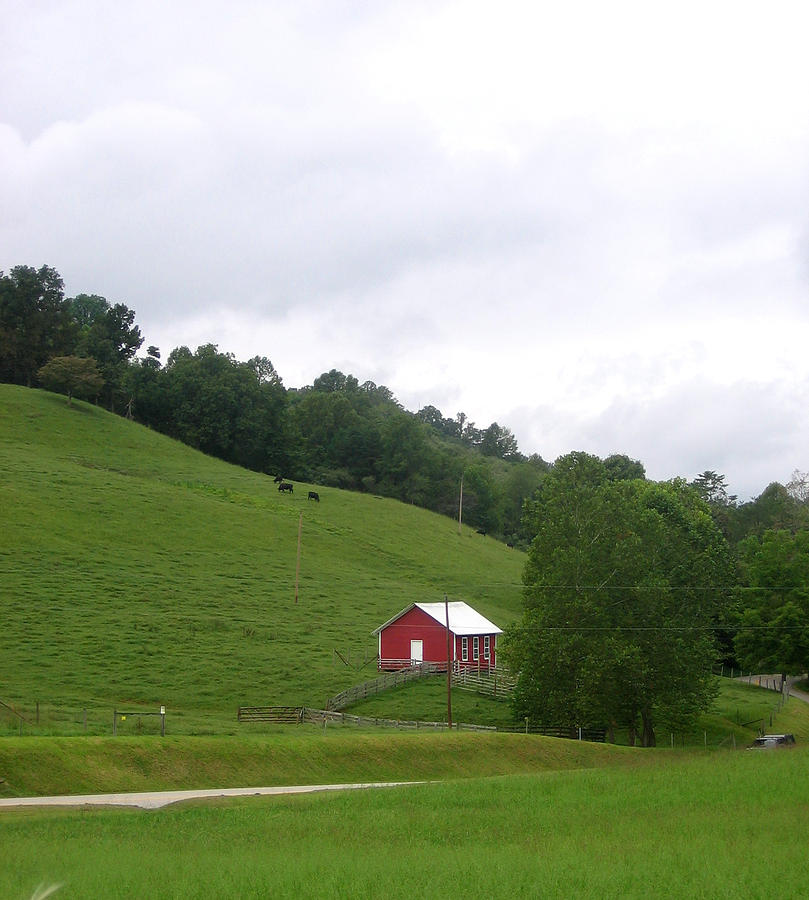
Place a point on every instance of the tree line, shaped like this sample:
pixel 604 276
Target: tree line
pixel 336 431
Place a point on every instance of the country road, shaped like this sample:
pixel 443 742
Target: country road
pixel 156 799
pixel 773 683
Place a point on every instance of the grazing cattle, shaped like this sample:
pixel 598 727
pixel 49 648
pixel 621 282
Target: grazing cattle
pixel 313 495
pixel 278 479
pixel 285 487
pixel 481 531
pixel 510 545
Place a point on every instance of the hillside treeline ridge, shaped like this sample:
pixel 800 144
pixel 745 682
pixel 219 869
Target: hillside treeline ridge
pixel 337 431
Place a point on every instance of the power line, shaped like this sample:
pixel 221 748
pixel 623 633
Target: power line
pixel 709 627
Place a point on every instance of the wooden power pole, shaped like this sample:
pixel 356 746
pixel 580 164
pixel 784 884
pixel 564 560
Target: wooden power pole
pixel 298 563
pixel 449 665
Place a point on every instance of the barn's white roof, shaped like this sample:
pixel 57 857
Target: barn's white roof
pixel 462 618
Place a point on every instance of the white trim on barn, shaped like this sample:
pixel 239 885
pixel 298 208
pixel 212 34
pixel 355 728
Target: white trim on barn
pixel 463 620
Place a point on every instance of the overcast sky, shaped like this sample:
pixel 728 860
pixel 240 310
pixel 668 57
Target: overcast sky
pixel 586 221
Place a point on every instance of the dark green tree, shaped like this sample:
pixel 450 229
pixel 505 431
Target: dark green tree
pixel 73 376
pixel 624 584
pixel 86 308
pixel 773 634
pixel 775 508
pixel 712 487
pixel 482 501
pixel 112 338
pixel 499 442
pixel 620 467
pixel 520 484
pixel 209 400
pixel 35 322
pixel 333 380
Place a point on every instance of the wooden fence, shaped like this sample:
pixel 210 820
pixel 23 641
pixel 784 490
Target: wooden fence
pixel 324 716
pixel 494 683
pixel 377 685
pixel 295 715
pixel 571 733
pixel 278 715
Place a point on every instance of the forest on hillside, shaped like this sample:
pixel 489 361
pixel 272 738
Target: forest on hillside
pixel 735 576
pixel 336 431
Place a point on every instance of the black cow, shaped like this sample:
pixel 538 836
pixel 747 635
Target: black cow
pixel 481 531
pixel 278 479
pixel 285 487
pixel 313 495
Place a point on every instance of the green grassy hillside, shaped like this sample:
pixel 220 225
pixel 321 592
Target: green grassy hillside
pixel 136 572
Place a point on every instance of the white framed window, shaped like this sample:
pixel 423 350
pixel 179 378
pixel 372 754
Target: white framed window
pixel 464 648
pixel 475 648
pixel 486 646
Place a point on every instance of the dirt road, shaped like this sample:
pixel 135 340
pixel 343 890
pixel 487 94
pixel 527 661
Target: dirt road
pixel 156 799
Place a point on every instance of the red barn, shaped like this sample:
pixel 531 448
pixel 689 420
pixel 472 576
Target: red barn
pixel 419 634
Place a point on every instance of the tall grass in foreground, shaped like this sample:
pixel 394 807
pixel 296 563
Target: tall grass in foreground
pixel 721 826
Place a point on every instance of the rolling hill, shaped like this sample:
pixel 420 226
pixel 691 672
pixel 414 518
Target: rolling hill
pixel 137 572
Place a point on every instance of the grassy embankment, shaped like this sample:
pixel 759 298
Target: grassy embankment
pixel 137 572
pixel 717 825
pixel 31 766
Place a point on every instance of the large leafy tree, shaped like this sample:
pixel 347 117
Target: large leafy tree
pixel 774 627
pixel 73 376
pixel 500 442
pixel 35 322
pixel 620 467
pixel 624 584
pixel 110 336
pixel 775 508
pixel 86 308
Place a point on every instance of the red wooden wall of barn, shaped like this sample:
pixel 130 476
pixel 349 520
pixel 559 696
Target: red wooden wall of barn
pixel 416 625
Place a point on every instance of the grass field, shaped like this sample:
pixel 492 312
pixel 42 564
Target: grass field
pixel 721 826
pixel 46 766
pixel 305 754
pixel 137 572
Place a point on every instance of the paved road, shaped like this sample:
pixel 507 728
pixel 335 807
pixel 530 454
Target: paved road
pixel 156 799
pixel 773 682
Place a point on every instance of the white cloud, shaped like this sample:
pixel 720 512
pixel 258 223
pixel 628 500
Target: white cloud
pixel 585 221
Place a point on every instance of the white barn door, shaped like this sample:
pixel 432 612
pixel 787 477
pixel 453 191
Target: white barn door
pixel 416 653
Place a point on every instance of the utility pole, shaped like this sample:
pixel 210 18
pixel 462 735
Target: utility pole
pixel 460 506
pixel 298 563
pixel 449 666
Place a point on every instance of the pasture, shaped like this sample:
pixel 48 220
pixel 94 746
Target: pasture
pixel 721 825
pixel 137 572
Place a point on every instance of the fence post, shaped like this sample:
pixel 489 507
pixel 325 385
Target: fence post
pixel 114 722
